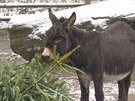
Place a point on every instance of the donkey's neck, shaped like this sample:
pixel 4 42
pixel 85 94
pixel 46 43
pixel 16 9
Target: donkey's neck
pixel 81 37
pixel 78 34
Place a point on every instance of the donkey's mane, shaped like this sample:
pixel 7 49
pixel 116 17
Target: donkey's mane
pixel 74 28
pixel 62 19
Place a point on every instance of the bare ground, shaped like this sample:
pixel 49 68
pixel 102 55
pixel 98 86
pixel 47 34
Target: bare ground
pixel 6 55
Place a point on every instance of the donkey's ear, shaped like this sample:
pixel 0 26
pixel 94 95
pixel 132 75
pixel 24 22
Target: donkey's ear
pixel 52 17
pixel 69 22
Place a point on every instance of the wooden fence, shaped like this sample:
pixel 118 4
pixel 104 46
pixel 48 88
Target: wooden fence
pixel 9 6
pixel 35 5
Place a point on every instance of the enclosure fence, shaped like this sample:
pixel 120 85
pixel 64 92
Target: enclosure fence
pixel 9 9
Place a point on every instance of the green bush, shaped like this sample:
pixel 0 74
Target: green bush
pixel 32 82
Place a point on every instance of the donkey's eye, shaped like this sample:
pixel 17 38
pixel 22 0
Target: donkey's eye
pixel 58 40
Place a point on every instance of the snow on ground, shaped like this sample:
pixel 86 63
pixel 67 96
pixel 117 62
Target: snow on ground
pixel 110 89
pixel 3 25
pixel 84 13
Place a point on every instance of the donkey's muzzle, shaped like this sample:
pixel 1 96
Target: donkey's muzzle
pixel 47 55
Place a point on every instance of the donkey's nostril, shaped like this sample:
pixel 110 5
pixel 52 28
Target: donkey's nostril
pixel 46 58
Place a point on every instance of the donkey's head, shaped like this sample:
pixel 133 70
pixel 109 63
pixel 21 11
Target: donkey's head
pixel 58 35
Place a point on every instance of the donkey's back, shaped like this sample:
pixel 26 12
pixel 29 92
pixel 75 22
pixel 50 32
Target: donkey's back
pixel 118 50
pixel 118 29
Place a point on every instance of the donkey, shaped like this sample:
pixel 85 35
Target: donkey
pixel 104 56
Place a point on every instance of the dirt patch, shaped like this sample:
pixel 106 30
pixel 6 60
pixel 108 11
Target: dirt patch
pixel 6 54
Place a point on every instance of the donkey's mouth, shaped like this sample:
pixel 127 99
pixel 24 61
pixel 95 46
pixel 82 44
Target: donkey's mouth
pixel 46 58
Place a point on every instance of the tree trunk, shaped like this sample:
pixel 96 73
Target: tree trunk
pixel 87 1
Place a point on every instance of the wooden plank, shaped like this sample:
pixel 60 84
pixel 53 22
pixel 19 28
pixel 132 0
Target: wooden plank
pixel 35 5
pixel 5 18
pixel 14 5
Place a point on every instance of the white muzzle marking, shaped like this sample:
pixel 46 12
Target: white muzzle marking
pixel 47 52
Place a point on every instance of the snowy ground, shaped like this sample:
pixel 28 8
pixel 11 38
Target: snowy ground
pixel 110 89
pixel 3 25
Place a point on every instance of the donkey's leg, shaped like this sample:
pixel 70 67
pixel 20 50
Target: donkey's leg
pixel 127 84
pixel 124 85
pixel 84 86
pixel 98 84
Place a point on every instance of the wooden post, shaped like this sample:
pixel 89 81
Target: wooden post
pixel 87 2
